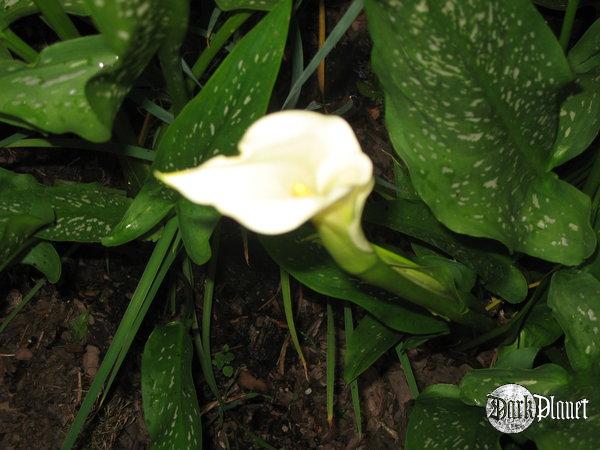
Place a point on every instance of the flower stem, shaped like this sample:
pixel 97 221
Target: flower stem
pixel 399 276
pixel 567 25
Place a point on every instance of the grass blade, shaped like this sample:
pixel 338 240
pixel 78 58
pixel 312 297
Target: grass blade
pixel 336 34
pixel 407 369
pixel 348 329
pixel 297 62
pixel 330 363
pixel 24 301
pixel 219 40
pixel 18 46
pixel 57 18
pixel 8 141
pixel 289 317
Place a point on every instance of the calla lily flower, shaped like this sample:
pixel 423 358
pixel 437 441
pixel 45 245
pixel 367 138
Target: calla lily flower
pixel 296 166
pixel 293 166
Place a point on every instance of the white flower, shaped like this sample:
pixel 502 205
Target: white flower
pixel 292 166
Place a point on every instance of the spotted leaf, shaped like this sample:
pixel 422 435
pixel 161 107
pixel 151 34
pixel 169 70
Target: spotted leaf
pixel 369 341
pixel 264 5
pixel 571 434
pixel 415 219
pixel 440 420
pixel 574 298
pixel 171 409
pixel 78 86
pixel 309 263
pixel 477 384
pixel 213 122
pixel 81 212
pixel 580 112
pixel 473 90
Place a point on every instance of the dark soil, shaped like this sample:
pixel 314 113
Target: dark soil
pixel 49 352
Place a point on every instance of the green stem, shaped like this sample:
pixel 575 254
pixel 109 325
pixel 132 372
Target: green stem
pixel 394 273
pixel 208 372
pixel 18 46
pixel 209 289
pixel 330 363
pixel 57 18
pixel 348 330
pixel 218 41
pixel 567 25
pixel 289 317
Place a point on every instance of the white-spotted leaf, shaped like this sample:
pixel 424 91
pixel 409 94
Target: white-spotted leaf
pixel 574 298
pixel 263 5
pixel 439 420
pixel 473 90
pixel 369 340
pixel 580 112
pixel 477 384
pixel 171 409
pixel 213 122
pixel 78 85
pixel 81 212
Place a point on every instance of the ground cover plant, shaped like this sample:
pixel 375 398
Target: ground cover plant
pixel 478 232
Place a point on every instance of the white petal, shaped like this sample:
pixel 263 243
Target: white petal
pixel 256 194
pixel 292 166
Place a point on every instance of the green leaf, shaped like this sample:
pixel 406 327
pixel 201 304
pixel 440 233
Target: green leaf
pixel 440 420
pixel 170 54
pixel 78 85
pixel 580 112
pixel 573 298
pixel 311 265
pixel 84 212
pixel 571 434
pixel 43 257
pixel 472 106
pixel 171 409
pixel 213 122
pixel 369 340
pixel 13 10
pixel 477 384
pixel 539 330
pixel 17 229
pixel 196 223
pixel 263 5
pixel 415 219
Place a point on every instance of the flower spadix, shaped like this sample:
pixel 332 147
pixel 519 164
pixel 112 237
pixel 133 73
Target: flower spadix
pixel 292 166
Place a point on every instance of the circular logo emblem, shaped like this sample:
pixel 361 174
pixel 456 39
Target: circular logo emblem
pixel 510 408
